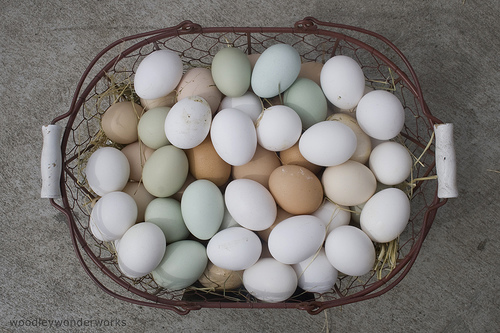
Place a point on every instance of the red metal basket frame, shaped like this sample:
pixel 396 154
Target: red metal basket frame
pixel 305 26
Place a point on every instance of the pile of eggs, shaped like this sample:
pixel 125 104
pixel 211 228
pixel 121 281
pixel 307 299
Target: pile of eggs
pixel 213 188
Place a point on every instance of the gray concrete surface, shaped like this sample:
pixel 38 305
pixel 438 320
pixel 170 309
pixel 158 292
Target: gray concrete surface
pixel 453 46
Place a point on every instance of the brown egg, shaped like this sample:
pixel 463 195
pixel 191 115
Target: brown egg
pixel 311 70
pixel 199 82
pixel 293 156
pixel 220 279
pixel 120 120
pixel 205 163
pixel 296 189
pixel 280 216
pixel 259 168
pixel 141 196
pixel 364 145
pixel 137 153
pixel 168 100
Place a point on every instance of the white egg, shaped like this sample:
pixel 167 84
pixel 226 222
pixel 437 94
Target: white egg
pixel 391 163
pixel 328 143
pixel 158 74
pixel 270 280
pixel 380 114
pixel 249 103
pixel 250 204
pixel 234 248
pixel 188 122
pixel 113 215
pixel 316 274
pixel 233 136
pixel 141 249
pixel 278 128
pixel 385 215
pixel 342 81
pixel 350 250
pixel 107 170
pixel 296 238
pixel 332 215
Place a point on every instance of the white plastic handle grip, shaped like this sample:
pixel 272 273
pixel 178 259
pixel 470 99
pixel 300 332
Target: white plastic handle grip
pixel 51 161
pixel 446 165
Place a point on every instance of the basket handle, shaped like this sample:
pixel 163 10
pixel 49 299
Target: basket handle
pixel 51 161
pixel 445 161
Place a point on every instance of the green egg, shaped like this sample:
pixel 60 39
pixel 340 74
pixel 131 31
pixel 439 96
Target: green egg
pixel 165 171
pixel 231 71
pixel 202 207
pixel 151 127
pixel 307 99
pixel 166 213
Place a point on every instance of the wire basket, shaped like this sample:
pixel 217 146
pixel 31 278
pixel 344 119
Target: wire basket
pixel 385 67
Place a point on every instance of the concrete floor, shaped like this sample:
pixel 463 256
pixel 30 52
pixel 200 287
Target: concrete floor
pixel 452 44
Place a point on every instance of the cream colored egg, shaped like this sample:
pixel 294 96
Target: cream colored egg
pixel 363 145
pixel 198 81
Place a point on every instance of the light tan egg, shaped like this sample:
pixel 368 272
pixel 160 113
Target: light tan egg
pixel 205 163
pixel 296 189
pixel 311 70
pixel 168 100
pixel 119 122
pixel 260 167
pixel 137 153
pixel 364 145
pixel 141 196
pixel 280 216
pixel 293 156
pixel 220 279
pixel 198 81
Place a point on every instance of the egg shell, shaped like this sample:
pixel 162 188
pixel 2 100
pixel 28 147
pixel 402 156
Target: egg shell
pixel 141 249
pixel 220 279
pixel 363 141
pixel 181 266
pixel 296 238
pixel 141 197
pixel 137 153
pixel 349 184
pixel 205 163
pixel 332 215
pixel 165 171
pixel 112 215
pixel 328 143
pixel 259 168
pixel 231 71
pixel 166 213
pixel 202 207
pixel 198 81
pixel 151 127
pixel 307 99
pixel 167 101
pixel 250 204
pixel 385 215
pixel 158 74
pixel 316 273
pixel 119 122
pixel 275 70
pixel 296 189
pixel 278 128
pixel 270 280
pixel 311 70
pixel 107 170
pixel 280 216
pixel 350 250
pixel 391 163
pixel 234 248
pixel 342 81
pixel 292 155
pixel 380 114
pixel 249 103
pixel 233 136
pixel 188 122
pixel 351 112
